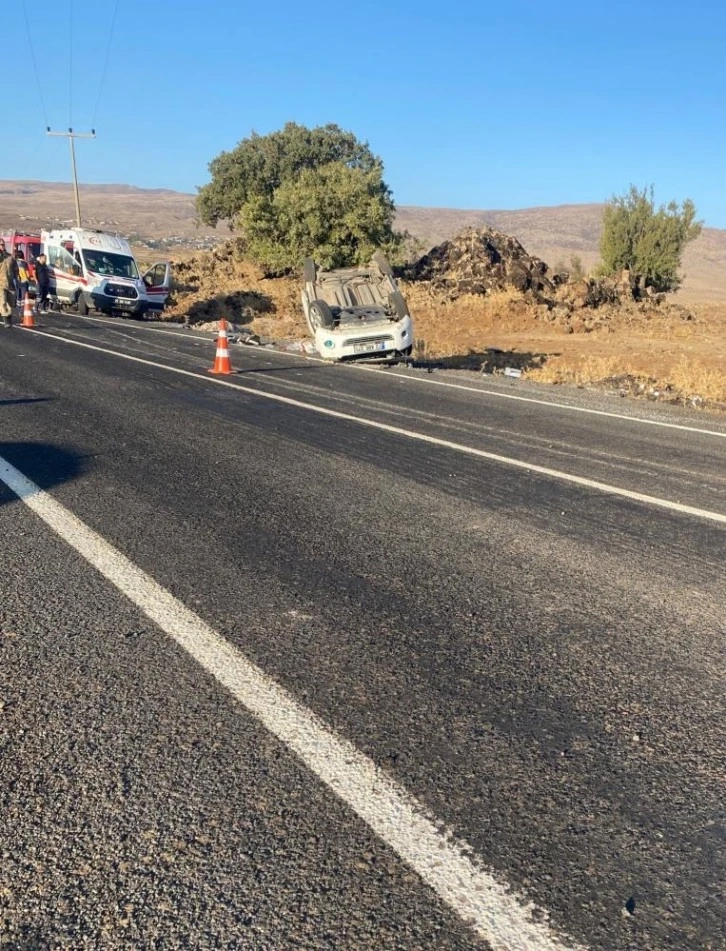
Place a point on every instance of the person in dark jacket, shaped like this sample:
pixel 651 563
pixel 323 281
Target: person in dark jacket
pixel 42 279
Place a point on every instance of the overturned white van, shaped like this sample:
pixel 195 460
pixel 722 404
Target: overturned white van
pixel 357 313
pixel 94 270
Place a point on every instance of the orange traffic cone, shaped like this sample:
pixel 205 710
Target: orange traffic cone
pixel 221 359
pixel 27 320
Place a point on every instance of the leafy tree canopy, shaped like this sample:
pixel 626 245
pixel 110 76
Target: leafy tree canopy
pixel 302 192
pixel 646 240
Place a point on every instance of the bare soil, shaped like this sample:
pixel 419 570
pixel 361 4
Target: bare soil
pixel 666 357
pixel 666 354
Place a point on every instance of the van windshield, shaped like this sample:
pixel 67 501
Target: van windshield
pixel 114 265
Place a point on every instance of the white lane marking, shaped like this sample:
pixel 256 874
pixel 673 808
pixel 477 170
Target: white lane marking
pixel 409 434
pixel 470 389
pixel 485 903
pixel 541 402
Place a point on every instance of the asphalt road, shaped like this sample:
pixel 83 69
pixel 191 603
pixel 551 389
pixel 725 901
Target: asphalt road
pixel 510 600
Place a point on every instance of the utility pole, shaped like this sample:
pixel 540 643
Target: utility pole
pixel 71 136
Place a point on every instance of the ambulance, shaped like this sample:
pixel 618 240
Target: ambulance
pixel 96 271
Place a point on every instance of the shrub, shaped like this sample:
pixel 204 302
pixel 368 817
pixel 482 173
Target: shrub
pixel 646 240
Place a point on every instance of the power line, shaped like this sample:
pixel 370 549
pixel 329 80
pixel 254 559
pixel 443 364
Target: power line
pixel 106 61
pixel 35 64
pixel 71 76
pixel 70 64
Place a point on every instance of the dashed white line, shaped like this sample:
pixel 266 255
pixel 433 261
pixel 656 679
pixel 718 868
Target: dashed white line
pixel 419 437
pixel 484 902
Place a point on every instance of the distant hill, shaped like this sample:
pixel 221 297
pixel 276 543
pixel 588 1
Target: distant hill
pixel 558 232
pixel 166 219
pixel 157 216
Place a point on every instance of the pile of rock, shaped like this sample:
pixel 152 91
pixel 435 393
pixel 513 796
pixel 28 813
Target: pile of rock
pixel 482 261
pixel 479 261
pixel 217 284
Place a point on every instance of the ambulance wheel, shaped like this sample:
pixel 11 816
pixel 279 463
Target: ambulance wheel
pixel 82 306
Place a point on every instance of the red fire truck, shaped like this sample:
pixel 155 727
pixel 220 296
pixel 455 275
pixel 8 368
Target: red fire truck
pixel 24 241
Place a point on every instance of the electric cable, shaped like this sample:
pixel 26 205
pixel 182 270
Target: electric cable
pixel 70 64
pixel 35 65
pixel 106 61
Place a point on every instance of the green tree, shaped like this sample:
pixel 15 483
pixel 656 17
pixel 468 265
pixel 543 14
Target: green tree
pixel 646 240
pixel 333 213
pixel 302 192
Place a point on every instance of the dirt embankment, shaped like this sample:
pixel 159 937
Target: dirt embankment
pixel 211 285
pixel 480 301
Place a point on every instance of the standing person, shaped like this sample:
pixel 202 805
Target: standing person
pixel 8 283
pixel 23 276
pixel 42 279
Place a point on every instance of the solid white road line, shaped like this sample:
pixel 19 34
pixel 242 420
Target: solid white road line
pixel 409 434
pixel 461 386
pixel 485 903
pixel 566 406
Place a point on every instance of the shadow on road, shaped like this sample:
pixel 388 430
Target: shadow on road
pixel 293 367
pixel 43 463
pixel 238 306
pixel 29 399
pixel 490 360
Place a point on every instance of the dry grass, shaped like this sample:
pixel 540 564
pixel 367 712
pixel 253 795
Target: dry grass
pixel 688 379
pixel 666 356
pixel 455 327
pixel 660 353
pixel 691 376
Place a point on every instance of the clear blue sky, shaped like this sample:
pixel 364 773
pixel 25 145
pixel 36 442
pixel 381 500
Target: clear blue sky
pixel 470 104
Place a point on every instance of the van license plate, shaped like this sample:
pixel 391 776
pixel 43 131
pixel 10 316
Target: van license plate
pixel 369 347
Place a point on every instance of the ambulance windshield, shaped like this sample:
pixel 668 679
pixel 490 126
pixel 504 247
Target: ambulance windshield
pixel 109 264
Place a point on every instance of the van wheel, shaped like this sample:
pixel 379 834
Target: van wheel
pixel 82 306
pixel 320 315
pixel 309 271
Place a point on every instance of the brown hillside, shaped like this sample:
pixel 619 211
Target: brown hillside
pixel 167 219
pixel 157 215
pixel 556 233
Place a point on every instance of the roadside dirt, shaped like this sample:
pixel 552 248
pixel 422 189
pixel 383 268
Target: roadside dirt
pixel 493 308
pixel 664 356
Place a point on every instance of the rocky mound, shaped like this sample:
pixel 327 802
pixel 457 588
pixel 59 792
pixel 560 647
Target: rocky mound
pixel 479 261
